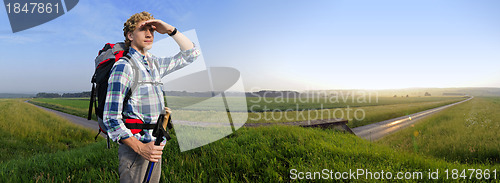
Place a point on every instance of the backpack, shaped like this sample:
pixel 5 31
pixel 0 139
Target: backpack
pixel 104 62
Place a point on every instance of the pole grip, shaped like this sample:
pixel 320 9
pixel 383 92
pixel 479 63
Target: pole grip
pixel 158 133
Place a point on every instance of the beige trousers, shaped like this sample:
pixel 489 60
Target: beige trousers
pixel 133 166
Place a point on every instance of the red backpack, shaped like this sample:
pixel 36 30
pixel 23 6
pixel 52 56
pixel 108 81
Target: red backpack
pixel 104 62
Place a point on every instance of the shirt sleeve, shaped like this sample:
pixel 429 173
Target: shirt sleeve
pixel 183 58
pixel 118 84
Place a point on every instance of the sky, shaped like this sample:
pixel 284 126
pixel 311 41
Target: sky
pixel 276 45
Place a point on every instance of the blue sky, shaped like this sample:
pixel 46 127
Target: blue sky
pixel 280 45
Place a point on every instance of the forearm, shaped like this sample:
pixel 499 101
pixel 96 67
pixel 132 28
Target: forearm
pixel 183 41
pixel 164 28
pixel 133 143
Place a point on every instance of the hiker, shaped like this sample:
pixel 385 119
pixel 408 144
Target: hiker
pixel 146 101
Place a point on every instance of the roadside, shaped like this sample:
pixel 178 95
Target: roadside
pixel 378 130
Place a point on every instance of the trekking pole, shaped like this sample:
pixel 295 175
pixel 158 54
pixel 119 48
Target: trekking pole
pixel 159 132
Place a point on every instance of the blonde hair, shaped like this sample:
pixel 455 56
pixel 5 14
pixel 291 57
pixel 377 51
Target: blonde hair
pixel 131 24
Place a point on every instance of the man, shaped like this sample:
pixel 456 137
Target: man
pixel 146 101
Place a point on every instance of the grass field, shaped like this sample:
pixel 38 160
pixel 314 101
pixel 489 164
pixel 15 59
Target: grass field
pixel 269 104
pixel 264 154
pixel 466 133
pixel 26 130
pixel 76 106
pixel 358 113
pixel 357 116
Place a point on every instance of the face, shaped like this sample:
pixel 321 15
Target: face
pixel 142 38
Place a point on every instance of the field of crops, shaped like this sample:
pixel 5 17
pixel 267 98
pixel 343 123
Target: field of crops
pixel 359 111
pixel 269 104
pixel 259 104
pixel 466 133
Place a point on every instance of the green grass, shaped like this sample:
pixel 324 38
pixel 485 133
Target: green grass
pixel 78 107
pixel 264 154
pixel 466 133
pixel 357 116
pixel 26 130
pixel 269 104
pixel 380 113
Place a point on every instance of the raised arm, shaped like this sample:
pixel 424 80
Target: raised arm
pixel 186 56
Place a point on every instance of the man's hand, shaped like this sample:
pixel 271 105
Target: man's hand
pixel 162 28
pixel 151 152
pixel 168 110
pixel 159 25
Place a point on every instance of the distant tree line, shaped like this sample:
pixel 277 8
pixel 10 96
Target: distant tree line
pixel 64 95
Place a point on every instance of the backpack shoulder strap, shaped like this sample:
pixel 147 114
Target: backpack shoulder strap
pixel 157 66
pixel 135 72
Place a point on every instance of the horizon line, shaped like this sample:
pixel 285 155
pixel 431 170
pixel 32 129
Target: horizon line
pixel 62 92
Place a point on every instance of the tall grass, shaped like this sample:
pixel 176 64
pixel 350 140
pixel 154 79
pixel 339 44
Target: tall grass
pixel 466 133
pixel 26 130
pixel 264 154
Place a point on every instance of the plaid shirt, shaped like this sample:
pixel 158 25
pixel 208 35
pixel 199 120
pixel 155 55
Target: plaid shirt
pixel 147 101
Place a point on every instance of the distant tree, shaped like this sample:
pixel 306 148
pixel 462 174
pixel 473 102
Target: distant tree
pixel 407 96
pixel 395 96
pixel 427 94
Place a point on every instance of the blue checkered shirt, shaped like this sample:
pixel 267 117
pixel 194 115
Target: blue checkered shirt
pixel 146 102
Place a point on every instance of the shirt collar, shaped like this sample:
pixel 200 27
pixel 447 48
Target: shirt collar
pixel 137 54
